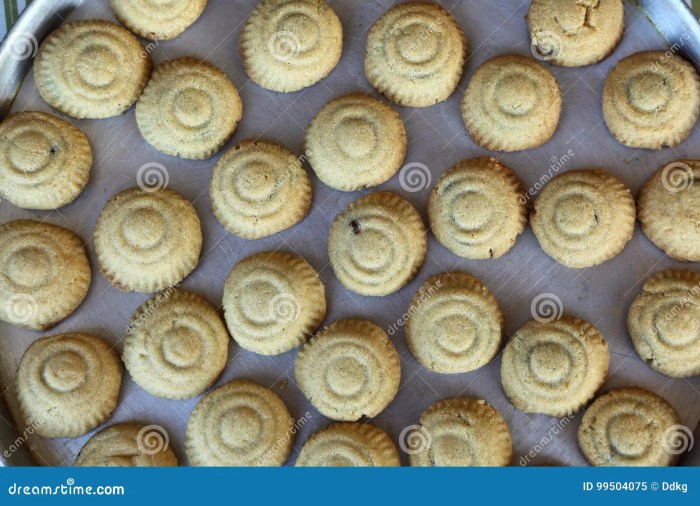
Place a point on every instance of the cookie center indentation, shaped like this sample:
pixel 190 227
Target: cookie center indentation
pixel 65 371
pixel 550 363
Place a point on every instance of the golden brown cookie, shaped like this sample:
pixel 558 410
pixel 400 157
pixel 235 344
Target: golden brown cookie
pixel 157 19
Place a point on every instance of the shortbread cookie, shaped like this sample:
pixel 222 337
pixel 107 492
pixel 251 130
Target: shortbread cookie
pixel 583 217
pixel 189 109
pixel 347 444
pixel 477 210
pixel 45 162
pixel 157 19
pixel 651 100
pixel 377 244
pixel 349 370
pixel 460 432
pixel 91 69
pixel 68 384
pixel 147 240
pixel 415 54
pixel 239 424
pixel 630 427
pixel 512 103
pixel 259 188
pixel 355 142
pixel 44 273
pixel 288 45
pixel 554 367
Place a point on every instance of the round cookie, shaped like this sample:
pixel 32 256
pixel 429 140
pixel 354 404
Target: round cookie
pixel 189 109
pixel 415 54
pixel 583 218
pixel 147 240
pixel 476 209
pixel 349 370
pixel 259 188
pixel 377 245
pixel 651 100
pixel 68 384
pixel 356 142
pixel 44 273
pixel 288 45
pixel 512 103
pixel 91 69
pixel 157 19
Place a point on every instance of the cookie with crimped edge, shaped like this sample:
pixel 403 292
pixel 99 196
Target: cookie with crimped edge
pixel 158 19
pixel 554 367
pixel 630 427
pixel 259 188
pixel 189 109
pixel 147 240
pixel 349 370
pixel 349 444
pixel 45 162
pixel 288 45
pixel 91 69
pixel 583 218
pixel 651 100
pixel 240 423
pixel 477 209
pixel 355 142
pixel 460 432
pixel 512 103
pixel 377 244
pixel 68 384
pixel 415 54
pixel 44 273
pixel 668 209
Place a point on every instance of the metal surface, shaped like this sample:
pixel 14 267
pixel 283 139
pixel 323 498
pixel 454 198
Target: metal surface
pixel 677 23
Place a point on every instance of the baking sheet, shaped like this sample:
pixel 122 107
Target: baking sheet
pixel 437 137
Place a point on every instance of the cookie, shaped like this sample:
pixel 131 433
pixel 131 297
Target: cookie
pixel 477 210
pixel 651 100
pixel 156 20
pixel 147 240
pixel 259 188
pixel 91 69
pixel 554 367
pixel 68 384
pixel 512 103
pixel 415 54
pixel 356 142
pixel 288 45
pixel 377 245
pixel 583 218
pixel 349 370
pixel 189 109
pixel 44 273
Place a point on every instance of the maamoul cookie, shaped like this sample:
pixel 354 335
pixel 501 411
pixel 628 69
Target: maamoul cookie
pixel 629 427
pixel 651 100
pixel 288 45
pixel 355 142
pixel 157 19
pixel 68 384
pixel 664 322
pixel 259 188
pixel 512 103
pixel 176 345
pixel 348 444
pixel 273 301
pixel 377 245
pixel 91 69
pixel 239 424
pixel 349 370
pixel 147 240
pixel 668 209
pixel 415 54
pixel 44 273
pixel 460 432
pixel 189 109
pixel 554 367
pixel 477 210
pixel 45 162
pixel 583 217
